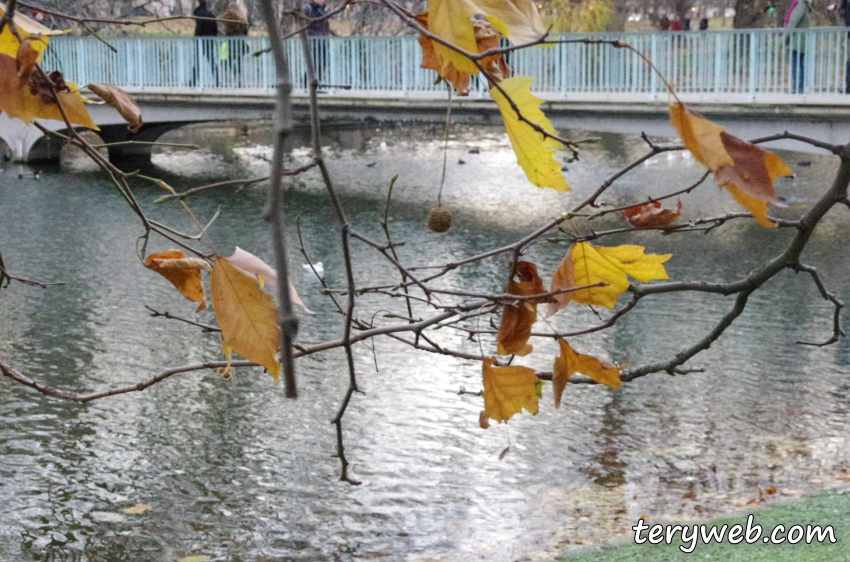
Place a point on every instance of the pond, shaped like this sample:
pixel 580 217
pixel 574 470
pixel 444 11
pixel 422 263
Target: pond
pixel 232 470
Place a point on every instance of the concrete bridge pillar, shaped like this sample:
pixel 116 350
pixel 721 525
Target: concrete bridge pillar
pixel 21 137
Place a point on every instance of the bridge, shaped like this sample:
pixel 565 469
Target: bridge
pixel 742 79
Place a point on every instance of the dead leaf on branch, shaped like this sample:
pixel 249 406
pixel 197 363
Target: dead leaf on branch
pixel 122 102
pixel 563 278
pixel 184 273
pixel 246 315
pixel 534 152
pixel 610 265
pixel 651 215
pixel 518 317
pixel 486 37
pixel 451 20
pixel 251 265
pixel 28 95
pixel 744 169
pixel 570 361
pixel 507 390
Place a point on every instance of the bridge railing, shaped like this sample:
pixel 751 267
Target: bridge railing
pixel 745 63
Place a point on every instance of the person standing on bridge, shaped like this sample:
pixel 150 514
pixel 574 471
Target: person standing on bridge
pixel 318 32
pixel 206 27
pixel 797 17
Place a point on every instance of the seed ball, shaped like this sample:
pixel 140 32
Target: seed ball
pixel 439 219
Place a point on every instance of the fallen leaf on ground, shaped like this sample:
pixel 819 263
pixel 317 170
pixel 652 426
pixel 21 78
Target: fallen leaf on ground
pixel 122 102
pixel 251 265
pixel 507 390
pixel 570 361
pixel 534 152
pixel 744 169
pixel 610 265
pixel 184 273
pixel 246 315
pixel 137 509
pixel 649 215
pixel 517 318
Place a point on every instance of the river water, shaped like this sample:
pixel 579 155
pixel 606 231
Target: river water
pixel 232 470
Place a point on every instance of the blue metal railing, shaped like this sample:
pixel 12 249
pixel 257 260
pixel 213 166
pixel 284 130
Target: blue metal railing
pixel 743 65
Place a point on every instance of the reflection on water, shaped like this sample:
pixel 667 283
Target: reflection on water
pixel 234 471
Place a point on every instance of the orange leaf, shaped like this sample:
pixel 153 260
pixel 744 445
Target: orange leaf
pixel 184 273
pixel 246 315
pixel 517 318
pixel 507 390
pixel 563 278
pixel 249 264
pixel 27 97
pixel 121 101
pixel 570 362
pixel 650 215
pixel 745 170
pixel 486 37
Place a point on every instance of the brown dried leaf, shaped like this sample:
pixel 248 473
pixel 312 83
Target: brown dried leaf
pixel 121 101
pixel 517 318
pixel 563 278
pixel 26 58
pixel 569 362
pixel 648 215
pixel 184 273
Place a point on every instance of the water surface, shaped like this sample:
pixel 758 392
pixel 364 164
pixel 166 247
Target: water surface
pixel 234 471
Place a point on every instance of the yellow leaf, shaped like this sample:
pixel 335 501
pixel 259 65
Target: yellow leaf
pixel 450 20
pixel 18 100
pixel 486 37
pixel 534 153
pixel 122 102
pixel 570 362
pixel 184 273
pixel 137 509
pixel 610 265
pixel 246 315
pixel 745 170
pixel 507 390
pixel 26 26
pixel 517 319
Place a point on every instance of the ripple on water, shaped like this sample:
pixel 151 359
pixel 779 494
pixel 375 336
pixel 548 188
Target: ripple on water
pixel 233 470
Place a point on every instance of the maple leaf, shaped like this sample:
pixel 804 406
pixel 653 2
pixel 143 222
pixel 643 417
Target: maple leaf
pixel 26 26
pixel 184 273
pixel 744 169
pixel 517 318
pixel 534 152
pixel 486 37
pixel 507 390
pixel 648 215
pixel 450 20
pixel 246 315
pixel 121 101
pixel 570 361
pixel 25 94
pixel 610 265
pixel 251 265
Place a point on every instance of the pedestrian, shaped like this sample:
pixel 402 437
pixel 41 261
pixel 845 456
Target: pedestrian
pixel 703 24
pixel 797 17
pixel 232 51
pixel 319 33
pixel 664 23
pixel 204 28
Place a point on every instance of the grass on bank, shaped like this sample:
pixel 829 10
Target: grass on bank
pixel 825 508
